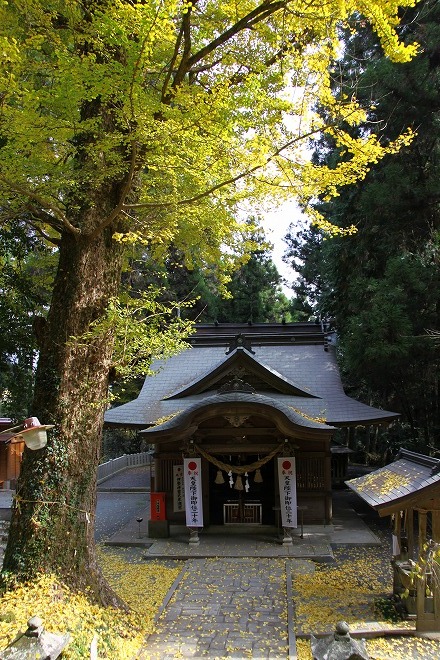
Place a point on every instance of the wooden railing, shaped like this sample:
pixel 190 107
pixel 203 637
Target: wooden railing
pixel 108 469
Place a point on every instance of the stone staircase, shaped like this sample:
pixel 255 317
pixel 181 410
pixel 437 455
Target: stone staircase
pixel 4 529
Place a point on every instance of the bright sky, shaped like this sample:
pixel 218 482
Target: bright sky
pixel 276 224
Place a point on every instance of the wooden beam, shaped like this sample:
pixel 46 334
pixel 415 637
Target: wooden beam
pixel 238 448
pixel 238 432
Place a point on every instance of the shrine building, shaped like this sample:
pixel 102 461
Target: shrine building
pixel 239 399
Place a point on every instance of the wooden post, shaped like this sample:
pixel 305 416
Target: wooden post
pixel 409 516
pixel 421 582
pixel 398 531
pixel 351 437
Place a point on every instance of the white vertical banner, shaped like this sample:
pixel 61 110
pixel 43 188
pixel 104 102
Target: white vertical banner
pixel 193 492
pixel 287 486
pixel 178 489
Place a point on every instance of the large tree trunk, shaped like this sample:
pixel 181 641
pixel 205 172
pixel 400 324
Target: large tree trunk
pixel 52 526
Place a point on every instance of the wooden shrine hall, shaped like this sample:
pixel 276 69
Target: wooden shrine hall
pixel 409 490
pixel 238 399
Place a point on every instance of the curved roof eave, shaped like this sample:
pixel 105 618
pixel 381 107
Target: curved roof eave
pixel 384 418
pixel 183 419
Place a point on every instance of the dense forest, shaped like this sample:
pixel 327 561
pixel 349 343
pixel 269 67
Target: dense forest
pixel 380 286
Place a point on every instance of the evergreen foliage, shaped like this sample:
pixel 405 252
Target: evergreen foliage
pixel 381 287
pixel 26 277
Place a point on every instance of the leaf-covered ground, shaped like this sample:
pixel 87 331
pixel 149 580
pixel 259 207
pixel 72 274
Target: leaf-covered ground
pixel 323 594
pixel 143 586
pixel 348 590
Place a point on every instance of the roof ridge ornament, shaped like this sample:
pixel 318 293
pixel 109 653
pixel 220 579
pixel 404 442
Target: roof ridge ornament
pixel 236 385
pixel 240 341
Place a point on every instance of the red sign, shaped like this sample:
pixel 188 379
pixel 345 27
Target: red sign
pixel 158 506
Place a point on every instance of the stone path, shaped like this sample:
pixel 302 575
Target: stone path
pixel 225 608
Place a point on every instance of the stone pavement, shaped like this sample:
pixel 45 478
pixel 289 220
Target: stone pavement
pixel 136 478
pixel 226 608
pixel 221 542
pixel 313 541
pixel 232 599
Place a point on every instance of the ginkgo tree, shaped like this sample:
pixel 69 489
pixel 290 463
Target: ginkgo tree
pixel 150 121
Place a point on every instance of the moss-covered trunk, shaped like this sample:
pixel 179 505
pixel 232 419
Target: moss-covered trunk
pixel 52 527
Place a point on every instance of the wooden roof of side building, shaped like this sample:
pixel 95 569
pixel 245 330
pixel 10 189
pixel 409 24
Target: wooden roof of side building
pixel 412 479
pixel 293 364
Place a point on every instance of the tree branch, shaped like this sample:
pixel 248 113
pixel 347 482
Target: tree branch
pixel 257 15
pixel 40 232
pixel 165 94
pixel 263 11
pixel 226 182
pixel 45 204
pixel 183 67
pixel 124 192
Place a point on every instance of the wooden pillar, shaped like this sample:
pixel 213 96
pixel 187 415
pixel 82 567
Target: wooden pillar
pixel 397 532
pixel 409 523
pixel 328 488
pixel 351 437
pixel 398 587
pixel 426 621
pixel 436 568
pixel 421 581
pixel 422 527
pixel 436 524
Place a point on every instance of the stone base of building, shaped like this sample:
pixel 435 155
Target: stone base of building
pixel 158 529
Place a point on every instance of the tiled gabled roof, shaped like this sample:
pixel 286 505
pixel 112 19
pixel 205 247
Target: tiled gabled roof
pixel 239 358
pixel 394 486
pixel 293 362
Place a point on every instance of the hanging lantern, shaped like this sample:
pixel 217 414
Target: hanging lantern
pixel 238 483
pixel 258 479
pixel 219 478
pixel 33 434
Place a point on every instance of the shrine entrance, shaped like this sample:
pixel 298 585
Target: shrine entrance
pixel 246 501
pixel 238 438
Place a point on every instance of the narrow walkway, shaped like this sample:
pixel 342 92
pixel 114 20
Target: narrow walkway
pixel 225 608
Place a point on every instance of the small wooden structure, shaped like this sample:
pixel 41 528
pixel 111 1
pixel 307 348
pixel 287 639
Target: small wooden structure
pixel 10 456
pixel 409 490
